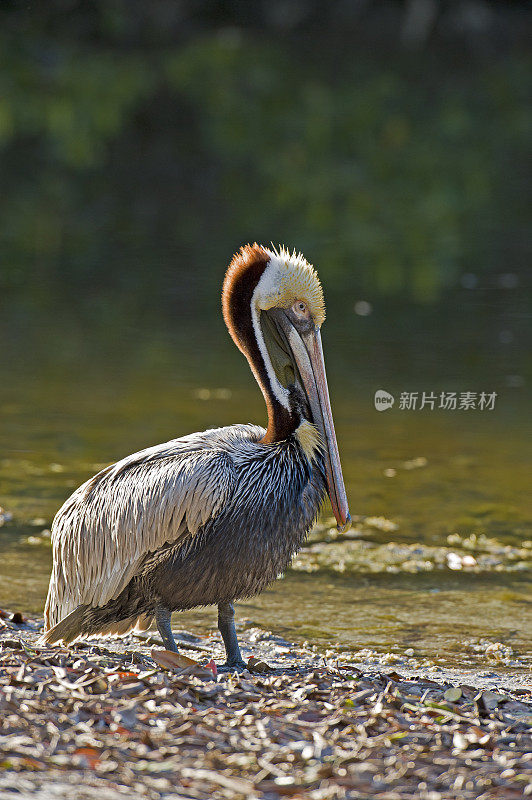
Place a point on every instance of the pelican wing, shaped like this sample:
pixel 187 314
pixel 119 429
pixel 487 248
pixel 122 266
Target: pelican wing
pixel 161 495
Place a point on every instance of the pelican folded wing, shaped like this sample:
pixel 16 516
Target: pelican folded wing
pixel 158 496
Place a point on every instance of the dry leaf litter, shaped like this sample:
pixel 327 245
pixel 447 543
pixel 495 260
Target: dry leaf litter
pixel 126 718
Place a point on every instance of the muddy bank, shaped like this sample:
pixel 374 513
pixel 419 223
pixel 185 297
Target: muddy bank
pixel 120 718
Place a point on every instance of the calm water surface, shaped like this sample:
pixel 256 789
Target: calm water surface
pixel 440 552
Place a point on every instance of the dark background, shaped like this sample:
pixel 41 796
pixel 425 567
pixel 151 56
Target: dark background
pixel 142 142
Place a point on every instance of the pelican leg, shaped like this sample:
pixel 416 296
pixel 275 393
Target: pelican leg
pixel 226 626
pixel 162 618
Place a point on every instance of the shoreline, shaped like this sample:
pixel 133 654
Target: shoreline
pixel 105 716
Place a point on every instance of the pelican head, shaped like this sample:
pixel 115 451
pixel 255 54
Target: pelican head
pixel 274 308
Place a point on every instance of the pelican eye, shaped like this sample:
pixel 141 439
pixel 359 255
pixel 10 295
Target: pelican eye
pixel 301 310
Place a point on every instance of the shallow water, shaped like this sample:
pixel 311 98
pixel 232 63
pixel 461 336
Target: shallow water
pixel 437 562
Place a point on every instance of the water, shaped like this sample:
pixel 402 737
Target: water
pixel 129 176
pixel 439 556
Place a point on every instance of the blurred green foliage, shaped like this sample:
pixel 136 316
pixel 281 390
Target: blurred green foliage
pixel 130 174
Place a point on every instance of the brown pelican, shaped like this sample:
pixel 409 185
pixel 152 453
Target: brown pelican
pixel 214 516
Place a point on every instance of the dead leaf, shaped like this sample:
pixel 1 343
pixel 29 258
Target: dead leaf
pixel 254 665
pixel 212 666
pixel 114 676
pixel 488 701
pixel 170 660
pixel 98 686
pixel 90 754
pixel 453 694
pixel 394 676
pixel 198 671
